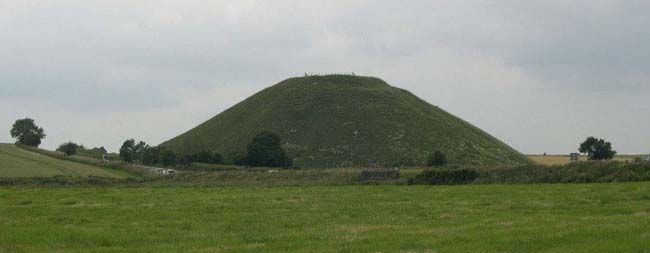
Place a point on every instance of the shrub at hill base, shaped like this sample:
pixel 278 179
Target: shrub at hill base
pixel 265 150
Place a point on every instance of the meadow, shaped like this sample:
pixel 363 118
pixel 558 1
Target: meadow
pixel 468 218
pixel 19 163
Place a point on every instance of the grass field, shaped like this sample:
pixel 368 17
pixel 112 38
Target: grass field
pixel 479 218
pixel 565 159
pixel 16 162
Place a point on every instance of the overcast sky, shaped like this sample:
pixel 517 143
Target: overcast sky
pixel 539 75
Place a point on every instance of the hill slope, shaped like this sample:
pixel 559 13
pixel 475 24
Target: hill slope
pixel 17 162
pixel 338 120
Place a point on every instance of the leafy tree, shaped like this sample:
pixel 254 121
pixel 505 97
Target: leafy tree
pixel 139 149
pixel 437 159
pixel 238 158
pixel 204 157
pixel 68 148
pixel 27 132
pixel 597 149
pixel 127 151
pixel 150 155
pixel 187 159
pixel 217 158
pixel 168 157
pixel 266 150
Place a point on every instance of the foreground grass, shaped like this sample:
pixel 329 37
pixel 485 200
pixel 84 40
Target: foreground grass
pixel 481 218
pixel 19 163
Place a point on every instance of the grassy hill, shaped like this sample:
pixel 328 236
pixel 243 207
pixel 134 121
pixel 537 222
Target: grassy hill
pixel 340 120
pixel 17 162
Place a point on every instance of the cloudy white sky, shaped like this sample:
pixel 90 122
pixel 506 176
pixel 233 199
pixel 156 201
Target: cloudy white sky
pixel 539 75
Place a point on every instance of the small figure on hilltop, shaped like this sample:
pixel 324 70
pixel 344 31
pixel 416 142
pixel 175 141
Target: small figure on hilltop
pixel 27 132
pixel 597 149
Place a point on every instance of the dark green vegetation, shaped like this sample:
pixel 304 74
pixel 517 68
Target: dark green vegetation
pixel 266 150
pixel 142 153
pixel 342 121
pixel 597 149
pixel 19 163
pixel 68 148
pixel 445 177
pixel 130 151
pixel 202 174
pixel 437 159
pixel 27 132
pixel 485 218
pixel 579 172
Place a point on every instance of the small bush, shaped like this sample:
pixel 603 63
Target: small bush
pixel 68 148
pixel 445 177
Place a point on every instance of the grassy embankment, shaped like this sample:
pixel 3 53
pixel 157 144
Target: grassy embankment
pixel 474 218
pixel 19 163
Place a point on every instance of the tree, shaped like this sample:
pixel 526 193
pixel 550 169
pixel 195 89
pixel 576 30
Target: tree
pixel 437 159
pixel 217 158
pixel 204 157
pixel 597 149
pixel 68 148
pixel 139 149
pixel 150 155
pixel 187 159
pixel 168 157
pixel 238 158
pixel 127 151
pixel 27 132
pixel 266 150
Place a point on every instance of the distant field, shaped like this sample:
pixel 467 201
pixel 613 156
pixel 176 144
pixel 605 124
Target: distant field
pixel 479 218
pixel 564 159
pixel 16 162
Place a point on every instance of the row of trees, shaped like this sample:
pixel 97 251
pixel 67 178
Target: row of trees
pixel 130 151
pixel 265 149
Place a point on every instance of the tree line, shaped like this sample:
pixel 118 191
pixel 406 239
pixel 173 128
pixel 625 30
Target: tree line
pixel 264 150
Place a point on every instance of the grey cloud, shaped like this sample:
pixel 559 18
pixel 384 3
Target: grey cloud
pixel 526 63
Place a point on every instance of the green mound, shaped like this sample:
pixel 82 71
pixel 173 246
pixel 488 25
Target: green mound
pixel 340 121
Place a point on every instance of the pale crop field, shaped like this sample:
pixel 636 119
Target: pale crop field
pixel 565 159
pixel 16 162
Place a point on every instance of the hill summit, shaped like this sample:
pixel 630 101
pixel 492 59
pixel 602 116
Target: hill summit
pixel 343 120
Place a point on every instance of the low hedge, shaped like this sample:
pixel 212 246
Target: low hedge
pixel 445 177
